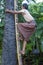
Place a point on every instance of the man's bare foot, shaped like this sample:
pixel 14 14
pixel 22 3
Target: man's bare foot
pixel 20 38
pixel 22 52
pixel 7 10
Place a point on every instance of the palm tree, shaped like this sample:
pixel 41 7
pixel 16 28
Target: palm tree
pixel 9 43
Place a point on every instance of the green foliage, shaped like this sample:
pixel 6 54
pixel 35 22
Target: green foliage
pixel 2 15
pixel 36 11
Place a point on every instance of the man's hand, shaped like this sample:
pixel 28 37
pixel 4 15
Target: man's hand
pixel 12 12
pixel 7 11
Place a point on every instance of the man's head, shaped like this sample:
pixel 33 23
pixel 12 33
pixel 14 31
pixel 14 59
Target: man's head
pixel 25 6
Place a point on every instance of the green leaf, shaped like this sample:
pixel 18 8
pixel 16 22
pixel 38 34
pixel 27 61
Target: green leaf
pixel 42 44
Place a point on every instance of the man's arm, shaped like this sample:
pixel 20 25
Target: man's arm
pixel 13 12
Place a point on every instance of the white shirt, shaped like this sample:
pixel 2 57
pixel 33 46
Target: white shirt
pixel 27 16
pixel 25 1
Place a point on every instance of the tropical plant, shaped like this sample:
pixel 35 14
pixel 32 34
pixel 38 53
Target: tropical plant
pixel 9 43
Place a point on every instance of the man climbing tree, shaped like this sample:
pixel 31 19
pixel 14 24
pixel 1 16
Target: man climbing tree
pixel 9 43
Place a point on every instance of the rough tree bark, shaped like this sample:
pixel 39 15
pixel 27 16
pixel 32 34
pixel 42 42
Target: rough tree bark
pixel 9 43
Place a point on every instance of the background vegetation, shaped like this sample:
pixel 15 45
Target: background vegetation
pixel 2 15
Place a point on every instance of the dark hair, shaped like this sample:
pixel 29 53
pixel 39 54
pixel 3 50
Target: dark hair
pixel 25 6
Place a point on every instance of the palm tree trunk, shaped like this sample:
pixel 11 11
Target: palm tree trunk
pixel 9 43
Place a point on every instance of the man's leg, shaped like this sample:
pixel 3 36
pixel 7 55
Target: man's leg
pixel 24 46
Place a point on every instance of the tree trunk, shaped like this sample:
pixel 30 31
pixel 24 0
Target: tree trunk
pixel 9 44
